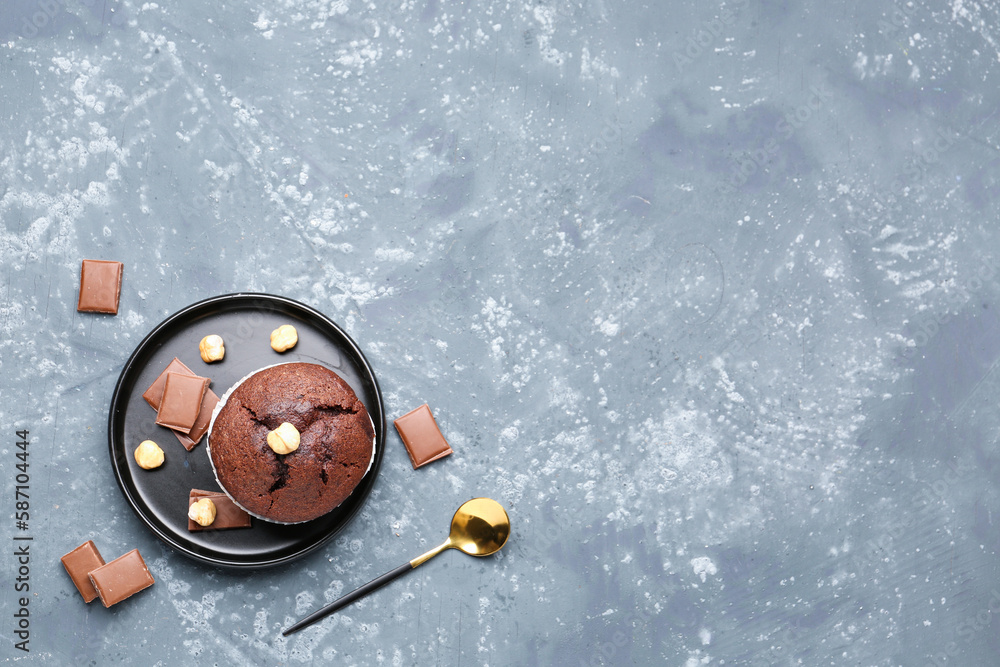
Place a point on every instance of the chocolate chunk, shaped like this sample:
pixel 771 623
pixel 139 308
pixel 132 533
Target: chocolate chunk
pixel 227 513
pixel 100 286
pixel 422 437
pixel 79 563
pixel 121 578
pixel 181 402
pixel 154 394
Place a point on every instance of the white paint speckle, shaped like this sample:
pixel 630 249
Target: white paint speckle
pixel 703 567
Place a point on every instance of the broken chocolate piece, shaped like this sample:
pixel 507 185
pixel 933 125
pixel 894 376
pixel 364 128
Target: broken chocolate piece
pixel 79 563
pixel 227 513
pixel 121 578
pixel 181 402
pixel 422 437
pixel 100 286
pixel 154 394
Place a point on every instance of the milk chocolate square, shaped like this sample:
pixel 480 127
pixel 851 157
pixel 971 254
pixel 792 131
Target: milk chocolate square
pixel 100 286
pixel 227 513
pixel 181 402
pixel 79 563
pixel 422 437
pixel 121 578
pixel 155 391
pixel 154 394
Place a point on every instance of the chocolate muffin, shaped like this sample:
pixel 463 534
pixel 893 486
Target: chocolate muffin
pixel 335 450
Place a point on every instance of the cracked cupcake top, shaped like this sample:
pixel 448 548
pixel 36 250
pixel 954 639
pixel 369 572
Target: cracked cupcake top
pixel 335 448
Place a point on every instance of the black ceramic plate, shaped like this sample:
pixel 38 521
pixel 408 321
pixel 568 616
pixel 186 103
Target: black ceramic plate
pixel 160 497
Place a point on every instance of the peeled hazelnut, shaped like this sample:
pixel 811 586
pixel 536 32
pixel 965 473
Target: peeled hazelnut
pixel 212 348
pixel 284 439
pixel 202 512
pixel 148 455
pixel 284 338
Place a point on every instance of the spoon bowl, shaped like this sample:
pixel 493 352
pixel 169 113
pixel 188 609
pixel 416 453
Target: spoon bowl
pixel 480 527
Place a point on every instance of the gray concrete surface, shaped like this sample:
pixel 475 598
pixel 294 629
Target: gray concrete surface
pixel 705 293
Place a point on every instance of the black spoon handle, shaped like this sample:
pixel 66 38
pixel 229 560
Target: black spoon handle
pixel 349 598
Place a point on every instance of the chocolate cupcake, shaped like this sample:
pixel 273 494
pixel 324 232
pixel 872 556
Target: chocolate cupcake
pixel 336 442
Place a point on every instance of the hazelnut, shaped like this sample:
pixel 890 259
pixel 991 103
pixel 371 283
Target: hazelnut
pixel 148 455
pixel 202 512
pixel 284 338
pixel 284 439
pixel 212 348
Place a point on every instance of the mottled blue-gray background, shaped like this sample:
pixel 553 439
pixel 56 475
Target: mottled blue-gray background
pixel 705 293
